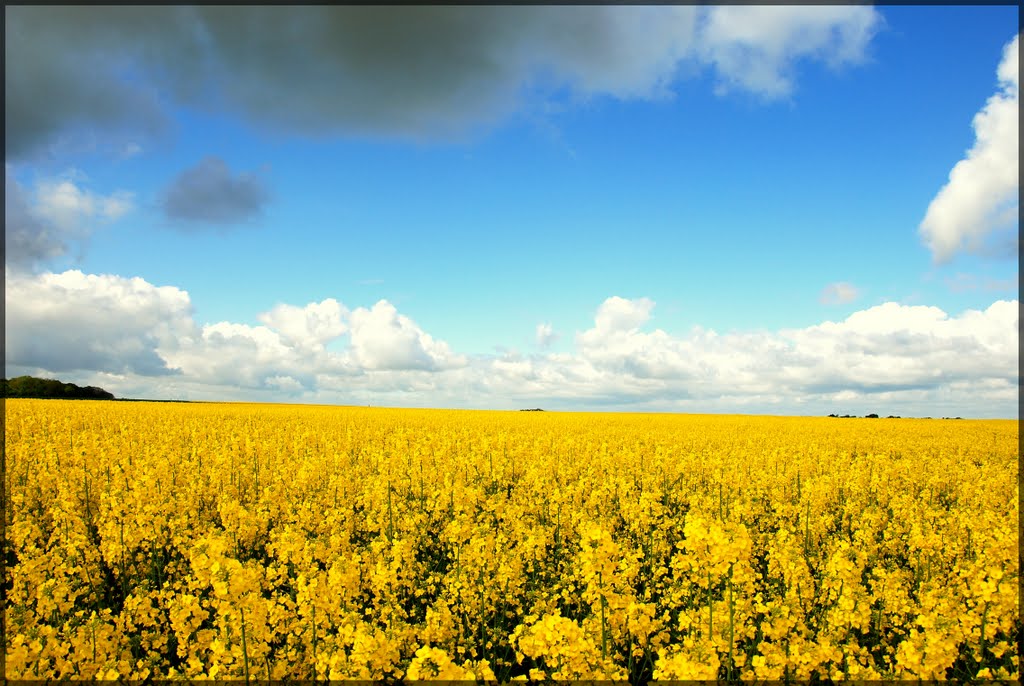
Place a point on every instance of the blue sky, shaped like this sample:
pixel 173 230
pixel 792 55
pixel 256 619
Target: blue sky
pixel 472 193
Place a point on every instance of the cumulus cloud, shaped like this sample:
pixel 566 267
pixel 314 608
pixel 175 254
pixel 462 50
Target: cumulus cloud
pixel 977 210
pixel 73 322
pixel 405 71
pixel 838 293
pixel 40 225
pixel 209 193
pixel 755 48
pixel 229 354
pixel 67 206
pixel 141 340
pixel 900 347
pixel 384 339
pixel 913 359
pixel 621 314
pixel 313 325
pixel 105 324
pixel 546 335
pixel 890 347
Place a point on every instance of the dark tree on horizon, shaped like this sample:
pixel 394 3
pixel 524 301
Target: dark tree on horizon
pixel 32 387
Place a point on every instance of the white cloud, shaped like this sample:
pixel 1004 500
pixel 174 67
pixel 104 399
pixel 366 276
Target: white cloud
pixel 314 325
pixel 888 348
pixel 620 314
pixel 231 354
pixel 73 321
pixel 68 206
pixel 756 48
pixel 41 225
pixel 900 347
pixel 546 335
pixel 980 202
pixel 140 340
pixel 838 293
pixel 384 339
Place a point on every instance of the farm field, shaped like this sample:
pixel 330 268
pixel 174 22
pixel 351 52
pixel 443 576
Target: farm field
pixel 234 541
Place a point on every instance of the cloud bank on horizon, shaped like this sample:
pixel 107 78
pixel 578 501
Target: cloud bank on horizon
pixel 131 337
pixel 127 77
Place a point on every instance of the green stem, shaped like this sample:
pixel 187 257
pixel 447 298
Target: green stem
pixel 391 519
pixel 807 529
pixel 731 613
pixel 981 652
pixel 245 648
pixel 604 632
pixel 711 610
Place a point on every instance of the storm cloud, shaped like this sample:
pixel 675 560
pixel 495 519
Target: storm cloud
pixel 412 72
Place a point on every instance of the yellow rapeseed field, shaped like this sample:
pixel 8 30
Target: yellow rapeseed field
pixel 235 541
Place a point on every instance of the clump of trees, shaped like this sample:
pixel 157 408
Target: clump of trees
pixel 31 387
pixel 853 416
pixel 875 416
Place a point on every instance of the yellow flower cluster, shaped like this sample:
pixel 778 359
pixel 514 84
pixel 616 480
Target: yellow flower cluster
pixel 563 650
pixel 264 542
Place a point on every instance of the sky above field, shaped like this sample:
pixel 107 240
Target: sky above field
pixel 783 210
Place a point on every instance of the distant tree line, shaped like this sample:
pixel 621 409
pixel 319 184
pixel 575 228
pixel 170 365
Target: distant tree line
pixel 853 416
pixel 875 416
pixel 31 387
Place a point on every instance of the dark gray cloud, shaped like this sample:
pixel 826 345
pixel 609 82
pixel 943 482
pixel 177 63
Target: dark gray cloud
pixel 423 71
pixel 414 71
pixel 71 67
pixel 209 193
pixel 406 71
